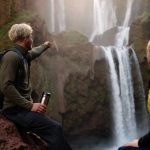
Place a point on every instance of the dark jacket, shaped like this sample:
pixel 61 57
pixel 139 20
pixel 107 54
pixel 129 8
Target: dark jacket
pixel 14 76
pixel 144 142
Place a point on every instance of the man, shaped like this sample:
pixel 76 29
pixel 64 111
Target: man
pixel 14 83
pixel 144 142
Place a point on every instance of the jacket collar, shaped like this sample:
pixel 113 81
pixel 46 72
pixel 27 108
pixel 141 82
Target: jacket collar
pixel 21 49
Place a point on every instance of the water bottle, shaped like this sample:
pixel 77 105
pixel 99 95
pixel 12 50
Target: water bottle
pixel 45 98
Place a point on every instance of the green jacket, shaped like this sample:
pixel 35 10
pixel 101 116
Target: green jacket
pixel 14 76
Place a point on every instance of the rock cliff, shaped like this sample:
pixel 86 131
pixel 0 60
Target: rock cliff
pixel 9 8
pixel 139 37
pixel 13 139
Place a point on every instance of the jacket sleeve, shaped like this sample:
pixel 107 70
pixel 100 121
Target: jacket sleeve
pixel 145 141
pixel 37 51
pixel 9 69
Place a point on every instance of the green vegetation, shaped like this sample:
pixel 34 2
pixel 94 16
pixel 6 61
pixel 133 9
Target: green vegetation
pixel 74 37
pixel 145 17
pixel 24 16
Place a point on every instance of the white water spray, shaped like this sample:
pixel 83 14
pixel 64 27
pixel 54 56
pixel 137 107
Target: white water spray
pixel 122 93
pixel 102 18
pixel 51 17
pixel 128 13
pixel 61 16
pixel 56 19
pixel 115 90
pixel 122 37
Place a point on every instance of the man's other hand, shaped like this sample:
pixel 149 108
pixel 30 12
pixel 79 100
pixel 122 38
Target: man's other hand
pixel 38 107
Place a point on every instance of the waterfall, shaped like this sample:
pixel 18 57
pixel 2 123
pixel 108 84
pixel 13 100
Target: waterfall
pixel 119 126
pixel 143 117
pixel 128 13
pixel 105 18
pixel 61 15
pixel 56 16
pixel 101 17
pixel 135 61
pixel 118 60
pixel 122 37
pixel 52 11
pixel 122 93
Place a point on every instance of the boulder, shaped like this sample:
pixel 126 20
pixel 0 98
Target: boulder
pixel 13 139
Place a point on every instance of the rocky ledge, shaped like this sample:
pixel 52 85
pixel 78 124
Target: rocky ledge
pixel 13 139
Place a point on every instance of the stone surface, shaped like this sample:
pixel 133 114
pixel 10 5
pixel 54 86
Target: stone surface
pixel 139 37
pixel 12 139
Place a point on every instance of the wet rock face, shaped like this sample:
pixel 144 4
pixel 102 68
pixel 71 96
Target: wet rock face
pixel 139 32
pixel 88 102
pixel 12 139
pixel 139 37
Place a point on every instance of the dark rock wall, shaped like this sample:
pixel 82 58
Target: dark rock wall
pixel 9 8
pixel 139 37
pixel 88 102
pixel 13 139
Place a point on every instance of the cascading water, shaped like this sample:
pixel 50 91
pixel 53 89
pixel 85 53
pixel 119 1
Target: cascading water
pixel 122 37
pixel 61 16
pixel 120 76
pixel 128 13
pixel 122 92
pixel 56 19
pixel 115 93
pixel 101 17
pixel 52 20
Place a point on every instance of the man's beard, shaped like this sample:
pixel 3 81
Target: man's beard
pixel 29 47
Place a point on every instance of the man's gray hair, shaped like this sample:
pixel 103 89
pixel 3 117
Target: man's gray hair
pixel 18 31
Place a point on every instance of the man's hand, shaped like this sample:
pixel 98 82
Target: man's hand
pixel 38 107
pixel 48 44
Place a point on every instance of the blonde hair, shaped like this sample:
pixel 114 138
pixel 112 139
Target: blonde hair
pixel 148 47
pixel 148 52
pixel 18 31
